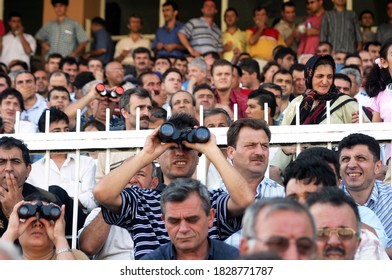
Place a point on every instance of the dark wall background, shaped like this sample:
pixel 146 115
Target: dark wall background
pixel 31 12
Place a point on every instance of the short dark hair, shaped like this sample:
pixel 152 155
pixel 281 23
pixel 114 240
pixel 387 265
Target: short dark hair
pixel 12 92
pixel 327 155
pixel 59 88
pixel 251 66
pixel 283 72
pixel 361 139
pixel 158 113
pixel 173 4
pixel 64 2
pixel 287 4
pixel 68 60
pixel 266 86
pixel 366 12
pixel 6 77
pixel 141 50
pixel 231 9
pixel 126 96
pixel 259 8
pixel 99 21
pixel 220 62
pixel 54 55
pixel 18 62
pixel 311 170
pixel 94 123
pixel 297 67
pixel 335 197
pixel 56 115
pixel 8 143
pixel 202 86
pixel 371 43
pixel 341 76
pixel 214 54
pixel 235 128
pixel 163 57
pixel 264 96
pixel 181 188
pixel 140 77
pixel 13 14
pixel 284 51
pixel 170 70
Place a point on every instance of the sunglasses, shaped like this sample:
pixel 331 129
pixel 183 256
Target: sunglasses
pixel 343 233
pixel 280 244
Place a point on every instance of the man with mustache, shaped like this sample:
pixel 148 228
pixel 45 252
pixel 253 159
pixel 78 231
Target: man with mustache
pixel 338 224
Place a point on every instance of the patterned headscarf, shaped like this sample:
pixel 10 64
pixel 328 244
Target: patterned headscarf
pixel 315 115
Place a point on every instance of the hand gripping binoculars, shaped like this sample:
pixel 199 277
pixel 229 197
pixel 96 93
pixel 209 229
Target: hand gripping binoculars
pixel 48 212
pixel 169 133
pixel 100 88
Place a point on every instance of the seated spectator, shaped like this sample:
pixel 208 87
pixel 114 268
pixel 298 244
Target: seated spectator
pixel 184 201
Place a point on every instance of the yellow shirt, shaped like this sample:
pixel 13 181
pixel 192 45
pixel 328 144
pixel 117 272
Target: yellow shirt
pixel 238 40
pixel 268 40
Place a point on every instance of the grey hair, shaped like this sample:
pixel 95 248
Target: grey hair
pixel 180 189
pixel 217 111
pixel 354 72
pixel 273 204
pixel 199 63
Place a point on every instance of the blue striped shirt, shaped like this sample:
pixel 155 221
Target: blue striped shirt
pixel 141 216
pixel 380 201
pixel 202 37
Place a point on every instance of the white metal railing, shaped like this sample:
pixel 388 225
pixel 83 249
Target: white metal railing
pixel 78 142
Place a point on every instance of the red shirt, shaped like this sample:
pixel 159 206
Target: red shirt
pixel 235 98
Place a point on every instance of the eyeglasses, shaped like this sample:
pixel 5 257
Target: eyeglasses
pixel 343 233
pixel 280 244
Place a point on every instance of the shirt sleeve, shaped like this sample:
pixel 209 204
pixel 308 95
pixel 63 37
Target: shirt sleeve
pixel 81 35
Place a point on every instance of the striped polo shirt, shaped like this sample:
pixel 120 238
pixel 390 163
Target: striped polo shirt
pixel 141 216
pixel 202 37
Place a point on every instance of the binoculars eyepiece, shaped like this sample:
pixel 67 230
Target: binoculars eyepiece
pixel 100 88
pixel 169 133
pixel 48 212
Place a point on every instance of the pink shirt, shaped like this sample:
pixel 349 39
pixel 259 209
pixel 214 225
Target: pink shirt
pixel 308 44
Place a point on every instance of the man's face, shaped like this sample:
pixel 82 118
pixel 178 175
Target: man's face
pixel 56 81
pixel 270 73
pixel 314 5
pixel 182 66
pixel 145 112
pixel 59 99
pixel 374 52
pixel 94 66
pixel 274 229
pixel 135 25
pixel 222 77
pixel 250 156
pixel 300 190
pixel 143 178
pixel 172 83
pixel 260 16
pixel 142 61
pixel 13 165
pixel 328 216
pixel 60 9
pixel 231 18
pixel 9 106
pixel 3 84
pixel 99 107
pixel 325 49
pixel 71 69
pixel 289 14
pixel 59 126
pixel 366 59
pixel 339 2
pixel 343 86
pixel 285 81
pixel 206 98
pixel 187 224
pixel 246 79
pixel 161 65
pixel 218 120
pixel 114 73
pixel 53 64
pixel 15 23
pixel 152 83
pixel 25 84
pixel 354 61
pixel 354 86
pixel 168 13
pixel 299 82
pixel 42 82
pixel 178 162
pixel 197 74
pixel 209 9
pixel 366 20
pixel 339 58
pixel 358 168
pixel 278 98
pixel 182 103
pixel 254 110
pixel 287 61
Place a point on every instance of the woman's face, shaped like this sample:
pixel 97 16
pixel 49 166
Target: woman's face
pixel 322 79
pixel 269 73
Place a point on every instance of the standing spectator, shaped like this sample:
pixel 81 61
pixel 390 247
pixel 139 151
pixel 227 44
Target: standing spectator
pixel 341 28
pixel 384 31
pixel 233 39
pixel 286 26
pixel 62 35
pixel 201 35
pixel 125 47
pixel 17 44
pixel 309 39
pixel 102 47
pixel 262 39
pixel 166 42
pixel 366 21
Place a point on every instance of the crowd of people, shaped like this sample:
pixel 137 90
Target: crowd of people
pixel 320 204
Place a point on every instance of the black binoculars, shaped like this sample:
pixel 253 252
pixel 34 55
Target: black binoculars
pixel 169 133
pixel 100 88
pixel 48 212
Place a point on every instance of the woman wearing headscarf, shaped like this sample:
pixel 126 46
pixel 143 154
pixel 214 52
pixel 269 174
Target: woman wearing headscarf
pixel 319 75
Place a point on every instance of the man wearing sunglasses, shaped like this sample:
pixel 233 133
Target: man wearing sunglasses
pixel 279 225
pixel 338 224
